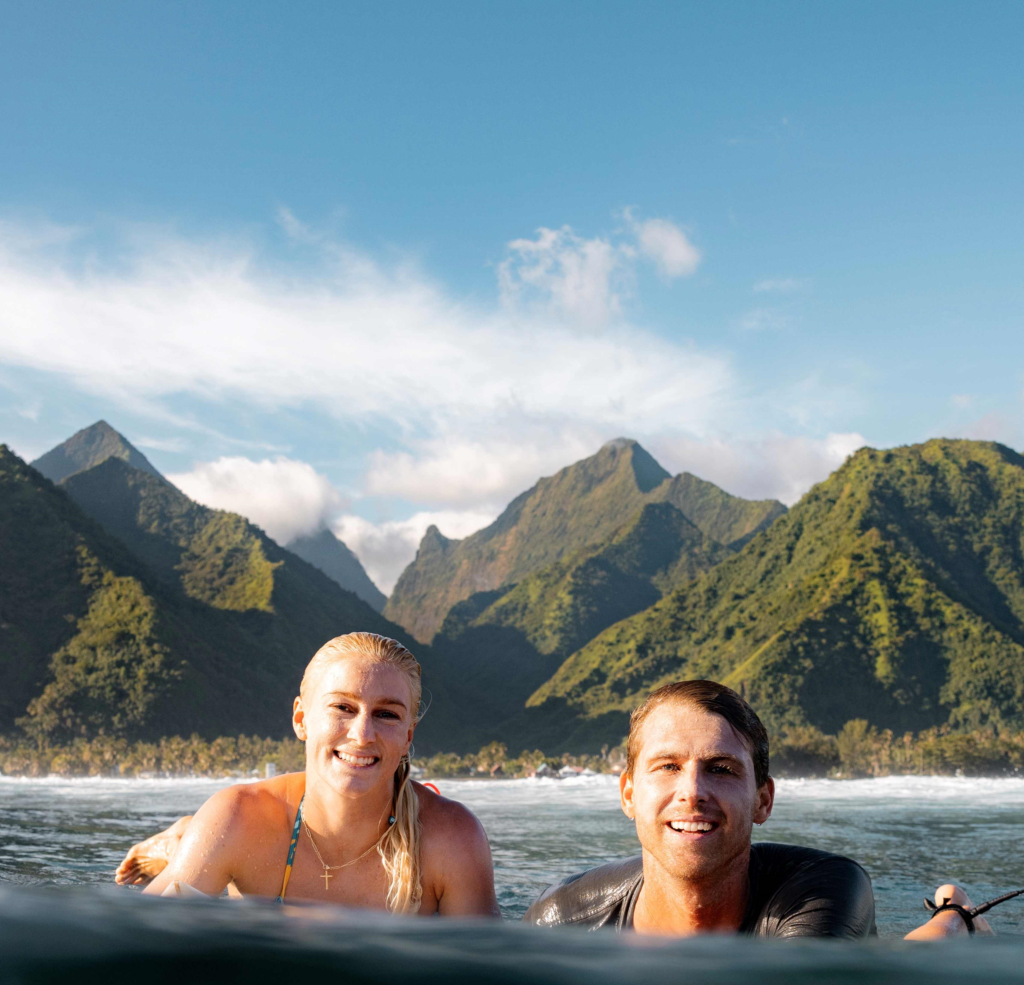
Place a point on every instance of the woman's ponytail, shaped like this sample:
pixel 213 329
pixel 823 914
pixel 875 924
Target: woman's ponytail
pixel 399 846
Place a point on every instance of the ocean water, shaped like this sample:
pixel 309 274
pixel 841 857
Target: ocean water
pixel 910 833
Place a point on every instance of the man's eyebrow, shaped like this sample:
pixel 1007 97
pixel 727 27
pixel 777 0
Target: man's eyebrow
pixel 358 697
pixel 713 757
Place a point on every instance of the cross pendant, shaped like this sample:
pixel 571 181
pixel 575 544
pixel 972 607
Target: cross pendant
pixel 327 877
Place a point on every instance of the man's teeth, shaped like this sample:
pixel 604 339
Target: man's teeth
pixel 356 760
pixel 691 826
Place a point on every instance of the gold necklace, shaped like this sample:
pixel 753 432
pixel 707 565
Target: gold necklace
pixel 327 877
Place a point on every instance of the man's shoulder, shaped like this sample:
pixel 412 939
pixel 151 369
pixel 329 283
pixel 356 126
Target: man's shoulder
pixel 775 858
pixel 805 892
pixel 590 898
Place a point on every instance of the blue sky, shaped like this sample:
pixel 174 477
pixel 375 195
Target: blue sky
pixel 380 265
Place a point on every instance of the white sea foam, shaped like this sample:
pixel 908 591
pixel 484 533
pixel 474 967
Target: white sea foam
pixel 603 788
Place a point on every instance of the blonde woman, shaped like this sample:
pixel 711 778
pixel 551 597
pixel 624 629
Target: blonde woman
pixel 353 829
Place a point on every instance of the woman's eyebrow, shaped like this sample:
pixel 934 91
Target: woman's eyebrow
pixel 359 697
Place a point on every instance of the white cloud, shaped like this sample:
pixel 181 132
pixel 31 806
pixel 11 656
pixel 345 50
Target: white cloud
pixel 288 499
pixel 178 319
pixel 961 401
pixel 780 285
pixel 588 280
pixel 474 402
pixel 386 548
pixel 778 466
pixel 580 279
pixel 666 245
pixel 465 473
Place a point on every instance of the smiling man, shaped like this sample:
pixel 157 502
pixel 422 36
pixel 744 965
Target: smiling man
pixel 696 782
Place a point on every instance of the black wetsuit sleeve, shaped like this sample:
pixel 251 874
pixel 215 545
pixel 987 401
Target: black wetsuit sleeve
pixel 592 899
pixel 815 895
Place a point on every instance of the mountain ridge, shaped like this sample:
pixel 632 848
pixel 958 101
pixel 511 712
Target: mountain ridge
pixel 98 638
pixel 893 591
pixel 585 503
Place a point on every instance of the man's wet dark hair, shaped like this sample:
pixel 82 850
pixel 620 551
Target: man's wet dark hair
pixel 715 698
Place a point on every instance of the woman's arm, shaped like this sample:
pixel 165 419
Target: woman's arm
pixel 146 860
pixel 949 923
pixel 206 853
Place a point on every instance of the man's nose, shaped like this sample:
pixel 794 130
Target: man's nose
pixel 691 788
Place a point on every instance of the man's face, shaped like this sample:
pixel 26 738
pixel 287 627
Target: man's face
pixel 357 723
pixel 692 793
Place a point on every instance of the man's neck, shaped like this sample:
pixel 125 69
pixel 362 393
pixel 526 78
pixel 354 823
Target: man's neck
pixel 674 906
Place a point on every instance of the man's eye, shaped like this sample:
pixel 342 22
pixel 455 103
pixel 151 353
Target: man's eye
pixel 720 769
pixel 671 767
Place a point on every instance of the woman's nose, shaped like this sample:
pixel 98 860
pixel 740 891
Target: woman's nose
pixel 361 729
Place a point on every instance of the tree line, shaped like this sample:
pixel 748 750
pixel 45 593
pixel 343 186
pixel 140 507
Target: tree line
pixel 858 750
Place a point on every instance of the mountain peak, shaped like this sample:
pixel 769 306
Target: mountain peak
pixel 333 557
pixel 87 448
pixel 647 472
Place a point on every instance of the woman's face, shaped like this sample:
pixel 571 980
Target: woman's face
pixel 357 721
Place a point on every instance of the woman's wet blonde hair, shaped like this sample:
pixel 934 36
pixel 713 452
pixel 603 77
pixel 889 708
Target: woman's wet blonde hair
pixel 399 846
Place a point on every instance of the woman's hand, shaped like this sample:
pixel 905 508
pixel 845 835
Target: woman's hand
pixel 146 860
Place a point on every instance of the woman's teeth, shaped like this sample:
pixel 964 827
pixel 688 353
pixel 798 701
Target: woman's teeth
pixel 692 826
pixel 356 760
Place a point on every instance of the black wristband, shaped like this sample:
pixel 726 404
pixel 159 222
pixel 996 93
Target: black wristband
pixel 968 916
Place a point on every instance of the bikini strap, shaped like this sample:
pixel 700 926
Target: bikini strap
pixel 291 851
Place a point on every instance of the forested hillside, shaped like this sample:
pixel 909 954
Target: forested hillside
pixel 584 505
pixel 154 615
pixel 892 592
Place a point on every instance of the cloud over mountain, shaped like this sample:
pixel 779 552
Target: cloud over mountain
pixel 288 499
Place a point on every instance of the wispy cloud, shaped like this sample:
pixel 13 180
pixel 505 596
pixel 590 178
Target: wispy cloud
pixel 587 281
pixel 473 402
pixel 781 285
pixel 666 245
pixel 176 445
pixel 775 466
pixel 763 319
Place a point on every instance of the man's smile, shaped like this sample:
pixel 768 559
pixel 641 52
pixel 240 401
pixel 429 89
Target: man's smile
pixel 697 827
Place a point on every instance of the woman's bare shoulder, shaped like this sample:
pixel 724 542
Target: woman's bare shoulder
pixel 446 821
pixel 244 805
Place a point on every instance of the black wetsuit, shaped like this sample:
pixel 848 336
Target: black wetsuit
pixel 794 892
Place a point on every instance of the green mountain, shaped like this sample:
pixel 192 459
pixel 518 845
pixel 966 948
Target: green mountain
pixel 94 445
pixel 87 448
pixel 582 506
pixel 126 608
pixel 325 551
pixel 892 592
pixel 506 643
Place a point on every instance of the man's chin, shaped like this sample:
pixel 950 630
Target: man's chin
pixel 695 861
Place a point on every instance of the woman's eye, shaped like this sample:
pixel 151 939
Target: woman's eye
pixel 387 714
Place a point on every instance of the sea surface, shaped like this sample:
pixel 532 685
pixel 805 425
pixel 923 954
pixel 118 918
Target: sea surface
pixel 910 833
